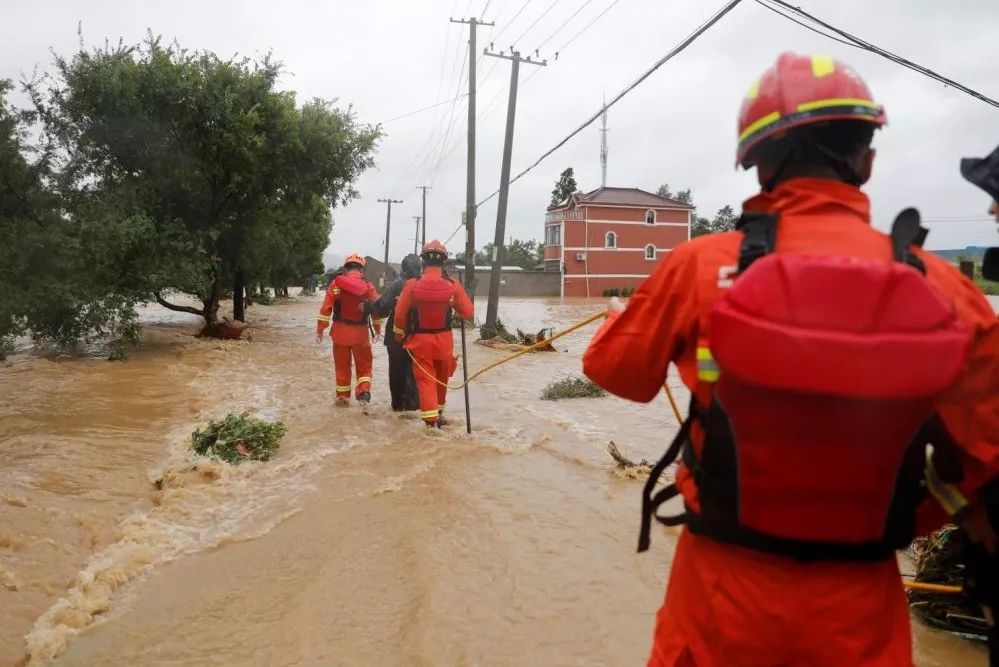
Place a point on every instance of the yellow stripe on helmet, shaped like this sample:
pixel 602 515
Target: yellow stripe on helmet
pixel 769 119
pixel 839 102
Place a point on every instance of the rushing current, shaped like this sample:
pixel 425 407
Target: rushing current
pixel 367 540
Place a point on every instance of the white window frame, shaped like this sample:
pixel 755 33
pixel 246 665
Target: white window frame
pixel 653 258
pixel 653 212
pixel 610 240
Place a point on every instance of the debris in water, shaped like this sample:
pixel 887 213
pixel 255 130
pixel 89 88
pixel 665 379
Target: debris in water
pixel 626 466
pixel 238 438
pixel 571 387
pixel 15 501
pixel 8 579
pixel 939 560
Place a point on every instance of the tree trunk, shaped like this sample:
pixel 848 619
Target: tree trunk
pixel 211 305
pixel 238 298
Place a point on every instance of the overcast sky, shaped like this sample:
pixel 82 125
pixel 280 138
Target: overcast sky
pixel 390 57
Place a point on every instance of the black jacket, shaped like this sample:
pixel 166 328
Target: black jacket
pixel 384 306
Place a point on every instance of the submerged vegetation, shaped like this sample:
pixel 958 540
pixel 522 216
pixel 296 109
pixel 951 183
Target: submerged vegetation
pixel 238 438
pixel 571 387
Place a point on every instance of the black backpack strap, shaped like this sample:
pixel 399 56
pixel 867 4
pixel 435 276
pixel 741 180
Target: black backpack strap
pixel 652 499
pixel 759 236
pixel 906 232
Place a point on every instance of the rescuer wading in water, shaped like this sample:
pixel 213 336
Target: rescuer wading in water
pixel 344 307
pixel 423 318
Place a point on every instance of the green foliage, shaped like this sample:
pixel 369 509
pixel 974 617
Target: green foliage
pixel 683 196
pixel 238 438
pixel 564 187
pixel 989 287
pixel 724 221
pixel 618 291
pixel 525 254
pixel 571 387
pixel 182 169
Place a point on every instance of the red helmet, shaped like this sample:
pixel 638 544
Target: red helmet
pixel 433 247
pixel 801 90
pixel 355 258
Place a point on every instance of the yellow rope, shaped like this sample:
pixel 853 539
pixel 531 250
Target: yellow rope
pixel 531 348
pixel 511 357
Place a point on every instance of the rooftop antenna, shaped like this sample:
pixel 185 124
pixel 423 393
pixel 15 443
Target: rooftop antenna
pixel 603 145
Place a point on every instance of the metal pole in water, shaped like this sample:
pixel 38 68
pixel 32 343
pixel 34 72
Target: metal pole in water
pixel 464 369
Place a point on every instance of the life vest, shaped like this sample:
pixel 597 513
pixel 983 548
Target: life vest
pixel 350 290
pixel 820 376
pixel 432 299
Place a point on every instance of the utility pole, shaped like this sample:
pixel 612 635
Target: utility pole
pixel 416 236
pixel 388 228
pixel 511 112
pixel 470 171
pixel 423 237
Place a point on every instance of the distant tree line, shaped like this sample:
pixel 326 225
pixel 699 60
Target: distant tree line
pixel 723 221
pixel 147 172
pixel 525 254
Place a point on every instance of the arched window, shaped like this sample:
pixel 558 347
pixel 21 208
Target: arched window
pixel 610 240
pixel 650 252
pixel 650 217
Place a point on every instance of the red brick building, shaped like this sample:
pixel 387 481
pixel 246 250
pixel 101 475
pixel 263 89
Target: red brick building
pixel 611 238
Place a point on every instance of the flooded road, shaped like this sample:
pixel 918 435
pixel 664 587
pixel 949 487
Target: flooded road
pixel 368 540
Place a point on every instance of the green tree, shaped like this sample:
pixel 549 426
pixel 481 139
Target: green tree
pixel 206 159
pixel 525 254
pixel 54 283
pixel 723 221
pixel 564 187
pixel 683 196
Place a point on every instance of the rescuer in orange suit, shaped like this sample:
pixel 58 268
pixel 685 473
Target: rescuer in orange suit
pixel 344 307
pixel 796 492
pixel 423 317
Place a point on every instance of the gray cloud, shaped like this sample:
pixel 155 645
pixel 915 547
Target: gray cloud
pixel 387 58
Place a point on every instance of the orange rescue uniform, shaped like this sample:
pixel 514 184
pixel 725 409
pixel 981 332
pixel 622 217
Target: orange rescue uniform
pixel 727 605
pixel 433 353
pixel 351 341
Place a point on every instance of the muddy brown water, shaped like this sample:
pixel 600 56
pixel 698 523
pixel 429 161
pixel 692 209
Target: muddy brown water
pixel 367 541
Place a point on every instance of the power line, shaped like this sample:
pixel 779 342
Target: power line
pixel 519 12
pixel 867 46
pixel 564 23
pixel 428 108
pixel 496 99
pixel 536 21
pixel 806 26
pixel 725 9
pixel 588 25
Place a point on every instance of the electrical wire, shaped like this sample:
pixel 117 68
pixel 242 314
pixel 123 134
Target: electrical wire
pixel 867 46
pixel 717 16
pixel 427 108
pixel 564 24
pixel 588 25
pixel 519 12
pixel 536 21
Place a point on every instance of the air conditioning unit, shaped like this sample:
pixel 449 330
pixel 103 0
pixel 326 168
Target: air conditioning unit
pixel 580 256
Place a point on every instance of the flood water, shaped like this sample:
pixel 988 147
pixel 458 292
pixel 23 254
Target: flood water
pixel 367 540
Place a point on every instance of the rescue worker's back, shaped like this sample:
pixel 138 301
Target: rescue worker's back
pixel 736 597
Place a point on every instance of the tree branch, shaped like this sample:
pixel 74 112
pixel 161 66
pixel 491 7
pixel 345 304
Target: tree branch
pixel 180 309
